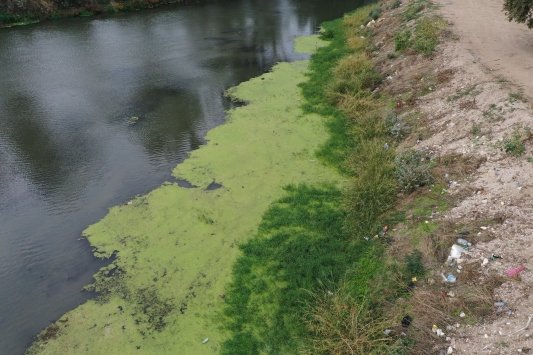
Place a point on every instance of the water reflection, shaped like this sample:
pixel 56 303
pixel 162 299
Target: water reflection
pixel 67 150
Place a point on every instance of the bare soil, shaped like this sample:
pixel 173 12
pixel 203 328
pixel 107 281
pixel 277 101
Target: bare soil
pixel 469 99
pixel 506 48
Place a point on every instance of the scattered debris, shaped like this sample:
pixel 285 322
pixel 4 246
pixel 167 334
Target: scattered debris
pixel 133 120
pixel 205 340
pixel 515 271
pixel 406 321
pixel 456 252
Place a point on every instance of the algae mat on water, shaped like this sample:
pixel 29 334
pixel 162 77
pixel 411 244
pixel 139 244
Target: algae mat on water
pixel 175 247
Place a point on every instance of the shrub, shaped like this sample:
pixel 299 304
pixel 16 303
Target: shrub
pixel 340 324
pixel 414 9
pixel 413 169
pixel 402 40
pixel 354 74
pixel 427 34
pixel 519 11
pixel 375 13
pixel 513 145
pixel 396 4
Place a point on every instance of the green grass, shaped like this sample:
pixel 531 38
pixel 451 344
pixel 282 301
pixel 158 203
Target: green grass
pixel 426 35
pixel 514 145
pixel 320 238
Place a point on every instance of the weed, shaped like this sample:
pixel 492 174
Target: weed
pixel 468 91
pixel 414 9
pixel 392 55
pixel 396 4
pixel 402 40
pixel 341 324
pixel 476 129
pixel 413 169
pixel 427 34
pixel 375 13
pixel 493 113
pixel 514 145
pixel 517 96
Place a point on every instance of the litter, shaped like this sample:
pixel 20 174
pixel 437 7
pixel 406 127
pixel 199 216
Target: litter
pixel 464 243
pixel 501 306
pixel 462 315
pixel 450 278
pixel 437 331
pixel 406 321
pixel 515 271
pixel 456 252
pixel 387 331
pixel 205 340
pixel 485 262
pixel 527 324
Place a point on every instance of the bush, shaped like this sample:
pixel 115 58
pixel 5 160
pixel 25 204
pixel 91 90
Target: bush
pixel 414 9
pixel 513 145
pixel 427 34
pixel 402 40
pixel 520 11
pixel 375 13
pixel 413 169
pixel 341 324
pixel 354 74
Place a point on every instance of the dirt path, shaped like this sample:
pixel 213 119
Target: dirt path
pixel 504 47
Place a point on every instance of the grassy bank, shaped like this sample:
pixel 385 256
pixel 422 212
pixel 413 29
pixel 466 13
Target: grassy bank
pixel 315 278
pixel 317 270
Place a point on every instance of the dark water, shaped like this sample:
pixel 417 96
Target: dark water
pixel 69 150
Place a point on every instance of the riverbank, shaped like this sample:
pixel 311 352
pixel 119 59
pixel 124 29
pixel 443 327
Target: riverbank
pixel 422 150
pixel 19 13
pixel 165 288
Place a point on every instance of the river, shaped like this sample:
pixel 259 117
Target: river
pixel 96 111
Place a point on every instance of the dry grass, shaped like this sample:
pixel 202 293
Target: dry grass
pixel 342 325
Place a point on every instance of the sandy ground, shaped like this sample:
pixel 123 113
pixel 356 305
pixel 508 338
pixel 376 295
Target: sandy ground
pixel 504 47
pixel 485 61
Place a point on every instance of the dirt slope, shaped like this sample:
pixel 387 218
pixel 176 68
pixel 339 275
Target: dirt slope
pixel 505 47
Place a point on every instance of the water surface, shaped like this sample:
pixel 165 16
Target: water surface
pixel 69 148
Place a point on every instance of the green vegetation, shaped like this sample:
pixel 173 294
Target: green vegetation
pixel 520 11
pixel 427 32
pixel 425 36
pixel 413 170
pixel 514 145
pixel 175 247
pixel 315 278
pixel 402 40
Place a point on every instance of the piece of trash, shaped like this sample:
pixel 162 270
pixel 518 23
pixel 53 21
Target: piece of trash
pixel 530 318
pixel 406 321
pixel 450 350
pixel 483 228
pixel 456 252
pixel 450 278
pixel 451 294
pixel 413 279
pixel 437 330
pixel 462 315
pixel 464 243
pixel 484 262
pixel 515 271
pixel 387 331
pixel 494 257
pixel 500 306
pixel 133 120
pixel 205 340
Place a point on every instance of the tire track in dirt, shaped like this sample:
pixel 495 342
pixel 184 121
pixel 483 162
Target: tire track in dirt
pixel 502 46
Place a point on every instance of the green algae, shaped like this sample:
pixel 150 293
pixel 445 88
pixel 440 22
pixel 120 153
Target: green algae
pixel 308 44
pixel 175 247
